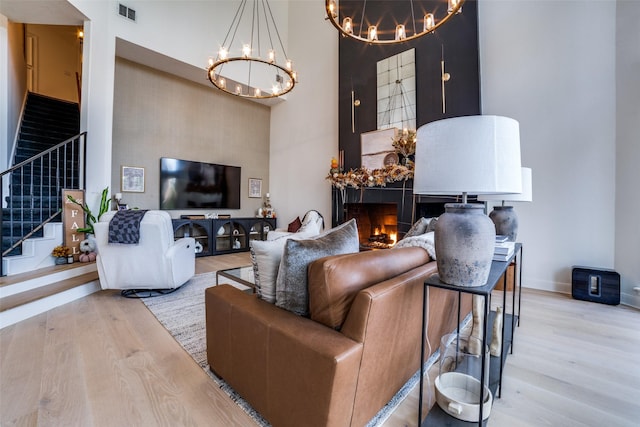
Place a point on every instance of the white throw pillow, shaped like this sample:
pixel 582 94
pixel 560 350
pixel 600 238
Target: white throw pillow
pixel 265 257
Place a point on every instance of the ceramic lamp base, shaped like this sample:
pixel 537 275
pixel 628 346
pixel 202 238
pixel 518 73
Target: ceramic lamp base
pixel 465 242
pixel 506 221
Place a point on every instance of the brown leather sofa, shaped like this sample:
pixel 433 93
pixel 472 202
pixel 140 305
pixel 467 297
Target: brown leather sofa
pixel 343 364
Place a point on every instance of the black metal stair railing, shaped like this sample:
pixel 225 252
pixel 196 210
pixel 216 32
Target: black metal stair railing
pixel 35 191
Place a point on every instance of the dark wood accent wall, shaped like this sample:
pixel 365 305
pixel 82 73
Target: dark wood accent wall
pixel 457 40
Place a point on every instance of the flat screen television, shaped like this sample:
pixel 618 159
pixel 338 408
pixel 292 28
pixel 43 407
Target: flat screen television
pixel 186 184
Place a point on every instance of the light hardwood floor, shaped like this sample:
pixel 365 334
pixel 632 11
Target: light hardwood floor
pixel 104 360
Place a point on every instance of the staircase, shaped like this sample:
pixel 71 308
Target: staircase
pixel 45 162
pixel 49 156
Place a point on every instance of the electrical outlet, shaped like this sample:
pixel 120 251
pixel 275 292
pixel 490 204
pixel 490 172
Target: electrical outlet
pixel 637 289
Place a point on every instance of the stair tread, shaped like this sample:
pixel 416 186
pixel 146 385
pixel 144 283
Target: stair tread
pixel 40 272
pixel 32 295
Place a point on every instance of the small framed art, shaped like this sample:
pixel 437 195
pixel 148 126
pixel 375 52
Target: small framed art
pixel 255 187
pixel 132 179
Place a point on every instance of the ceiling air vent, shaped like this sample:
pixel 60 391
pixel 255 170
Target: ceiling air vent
pixel 127 12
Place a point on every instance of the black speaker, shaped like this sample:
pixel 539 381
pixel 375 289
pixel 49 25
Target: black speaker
pixel 595 285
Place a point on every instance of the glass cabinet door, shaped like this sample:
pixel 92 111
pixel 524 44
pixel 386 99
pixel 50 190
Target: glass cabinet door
pixel 201 235
pixel 259 230
pixel 223 236
pixel 239 237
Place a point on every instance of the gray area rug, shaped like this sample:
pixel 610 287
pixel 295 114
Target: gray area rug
pixel 182 313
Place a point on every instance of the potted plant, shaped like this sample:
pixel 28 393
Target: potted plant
pixel 60 253
pixel 90 217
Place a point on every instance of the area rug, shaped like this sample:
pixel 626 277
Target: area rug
pixel 182 313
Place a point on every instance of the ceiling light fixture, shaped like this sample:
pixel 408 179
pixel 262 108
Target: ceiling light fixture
pixel 371 22
pixel 254 72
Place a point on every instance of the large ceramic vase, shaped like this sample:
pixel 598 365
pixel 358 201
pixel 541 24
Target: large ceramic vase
pixel 506 221
pixel 465 242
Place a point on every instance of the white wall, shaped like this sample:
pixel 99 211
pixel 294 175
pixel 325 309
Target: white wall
pixel 158 28
pixel 627 249
pixel 304 129
pixel 13 84
pixel 4 94
pixel 97 95
pixel 548 66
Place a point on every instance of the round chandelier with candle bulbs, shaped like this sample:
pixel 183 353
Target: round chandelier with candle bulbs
pixel 254 68
pixel 389 22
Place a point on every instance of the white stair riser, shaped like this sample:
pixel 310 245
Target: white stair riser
pixel 36 252
pixel 28 285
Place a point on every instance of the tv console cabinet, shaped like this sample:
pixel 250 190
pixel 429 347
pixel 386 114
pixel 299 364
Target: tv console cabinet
pixel 222 235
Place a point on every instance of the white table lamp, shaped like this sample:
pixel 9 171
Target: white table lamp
pixel 460 156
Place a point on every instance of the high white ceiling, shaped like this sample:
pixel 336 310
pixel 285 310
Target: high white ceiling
pixel 52 12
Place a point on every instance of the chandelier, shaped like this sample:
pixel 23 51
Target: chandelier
pixel 249 68
pixel 372 21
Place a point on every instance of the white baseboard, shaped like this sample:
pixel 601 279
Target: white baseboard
pixel 563 288
pixel 629 299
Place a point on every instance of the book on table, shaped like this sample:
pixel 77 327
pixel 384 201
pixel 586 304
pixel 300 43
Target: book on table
pixel 505 248
pixel 502 257
pixel 503 251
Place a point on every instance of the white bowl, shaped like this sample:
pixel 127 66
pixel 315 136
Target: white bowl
pixel 459 394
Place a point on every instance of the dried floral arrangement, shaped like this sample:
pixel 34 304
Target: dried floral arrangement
pixel 61 251
pixel 405 143
pixel 361 177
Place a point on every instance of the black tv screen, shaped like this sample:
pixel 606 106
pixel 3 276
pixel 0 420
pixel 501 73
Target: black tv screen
pixel 186 184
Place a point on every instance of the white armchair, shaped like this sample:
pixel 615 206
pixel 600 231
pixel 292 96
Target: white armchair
pixel 156 262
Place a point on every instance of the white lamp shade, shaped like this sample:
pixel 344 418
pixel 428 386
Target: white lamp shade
pixel 525 196
pixel 471 154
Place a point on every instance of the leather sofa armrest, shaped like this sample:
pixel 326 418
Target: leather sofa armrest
pixel 292 370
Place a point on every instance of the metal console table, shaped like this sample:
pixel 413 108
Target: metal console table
pixel 498 269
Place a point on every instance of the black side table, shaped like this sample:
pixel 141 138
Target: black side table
pixel 498 270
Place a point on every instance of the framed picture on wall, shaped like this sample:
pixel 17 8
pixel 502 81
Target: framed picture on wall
pixel 255 187
pixel 132 179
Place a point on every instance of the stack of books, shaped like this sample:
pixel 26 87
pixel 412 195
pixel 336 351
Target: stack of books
pixel 504 249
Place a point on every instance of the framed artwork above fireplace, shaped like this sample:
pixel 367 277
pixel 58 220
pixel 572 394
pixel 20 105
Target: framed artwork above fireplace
pixel 376 148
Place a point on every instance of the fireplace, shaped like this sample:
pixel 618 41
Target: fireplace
pixel 377 223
